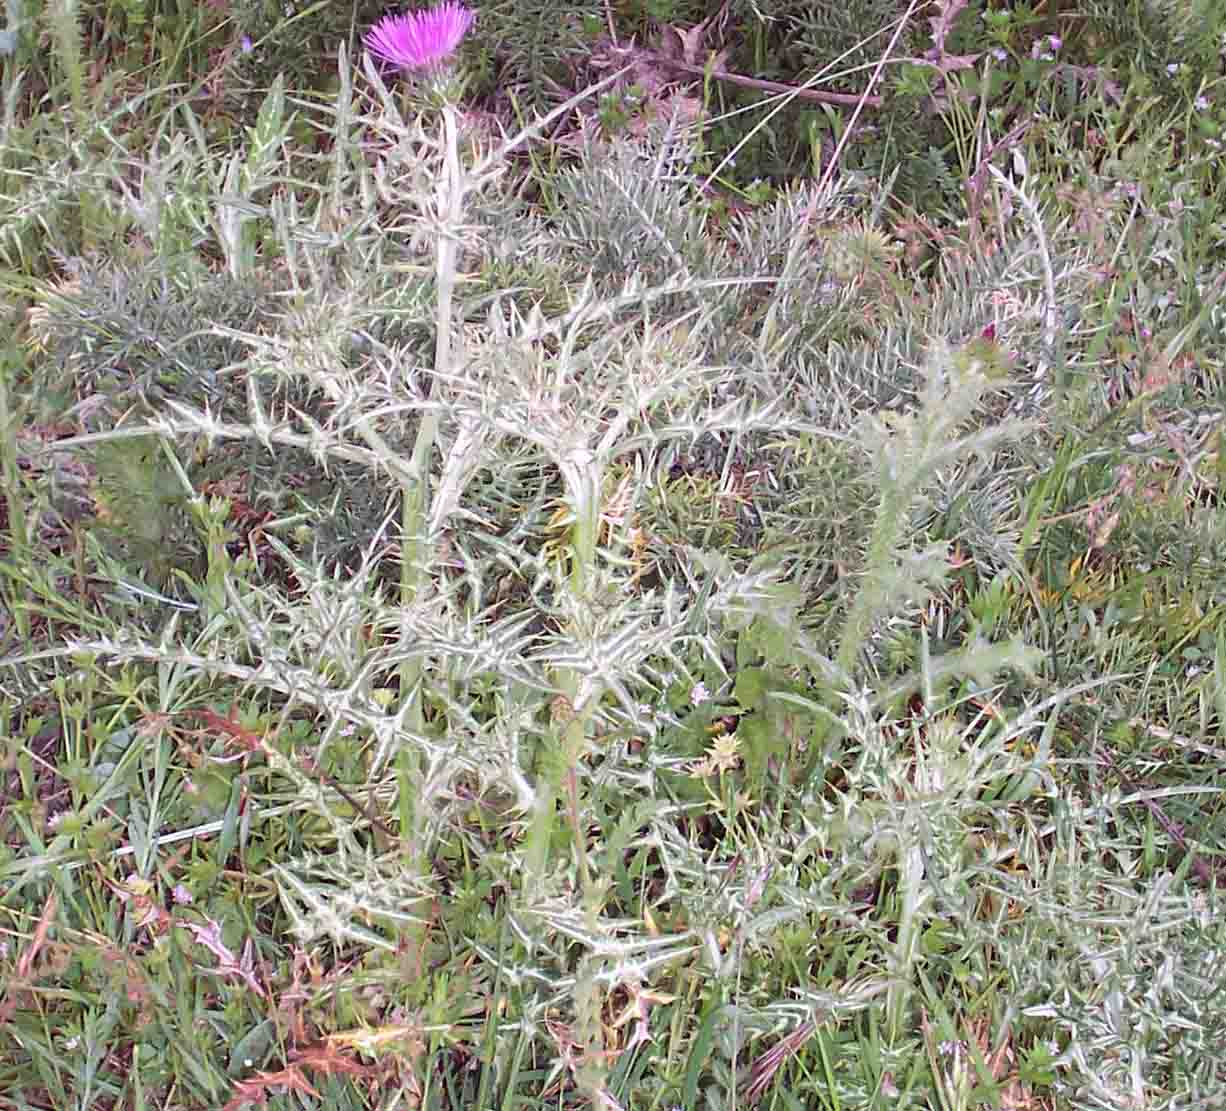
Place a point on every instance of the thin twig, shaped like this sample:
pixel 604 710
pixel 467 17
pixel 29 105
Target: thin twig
pixel 828 173
pixel 847 99
pixel 799 238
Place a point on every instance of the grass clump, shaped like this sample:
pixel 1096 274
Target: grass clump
pixel 491 617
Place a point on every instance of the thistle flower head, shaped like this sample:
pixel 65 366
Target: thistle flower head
pixel 420 40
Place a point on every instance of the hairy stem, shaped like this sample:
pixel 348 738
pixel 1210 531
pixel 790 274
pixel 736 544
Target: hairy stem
pixel 415 505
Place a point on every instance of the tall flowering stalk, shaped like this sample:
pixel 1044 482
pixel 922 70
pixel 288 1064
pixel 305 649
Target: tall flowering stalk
pixel 426 41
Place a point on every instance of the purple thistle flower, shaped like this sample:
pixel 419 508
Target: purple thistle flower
pixel 420 39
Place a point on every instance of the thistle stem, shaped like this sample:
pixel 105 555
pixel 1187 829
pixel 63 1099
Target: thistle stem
pixel 415 505
pixel 568 737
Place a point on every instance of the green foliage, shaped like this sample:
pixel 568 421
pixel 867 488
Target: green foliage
pixel 1155 36
pixel 523 56
pixel 141 505
pixel 64 20
pixel 296 42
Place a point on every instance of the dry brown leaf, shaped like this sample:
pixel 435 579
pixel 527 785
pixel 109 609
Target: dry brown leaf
pixel 26 961
pixel 686 46
pixel 232 728
pixel 254 1092
pixel 323 1057
pixel 377 1037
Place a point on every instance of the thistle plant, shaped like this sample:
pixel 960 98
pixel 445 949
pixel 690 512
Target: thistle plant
pixel 658 588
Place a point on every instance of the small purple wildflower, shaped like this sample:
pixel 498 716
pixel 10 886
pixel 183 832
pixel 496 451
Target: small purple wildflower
pixel 421 39
pixel 1044 49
